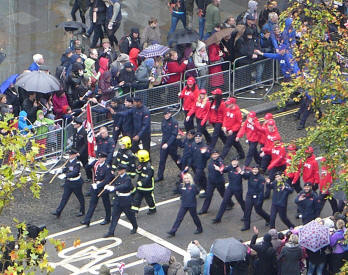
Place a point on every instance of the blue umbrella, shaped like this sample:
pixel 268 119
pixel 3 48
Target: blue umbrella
pixel 11 80
pixel 154 50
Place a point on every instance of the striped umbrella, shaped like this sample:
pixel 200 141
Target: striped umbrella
pixel 154 50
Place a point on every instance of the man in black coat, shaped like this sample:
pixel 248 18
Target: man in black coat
pixel 30 105
pixel 98 18
pixel 130 41
pixel 80 142
pixel 123 200
pixel 308 203
pixel 73 184
pixel 116 106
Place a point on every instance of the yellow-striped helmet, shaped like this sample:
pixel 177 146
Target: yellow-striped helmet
pixel 143 156
pixel 126 141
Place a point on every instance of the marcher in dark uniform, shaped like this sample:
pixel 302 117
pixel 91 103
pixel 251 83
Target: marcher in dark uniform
pixel 126 123
pixel 254 197
pixel 73 184
pixel 125 156
pixel 281 192
pixel 103 176
pixel 308 203
pixel 234 187
pixel 123 200
pixel 115 107
pixel 199 159
pixel 169 128
pixel 188 192
pixel 145 183
pixel 187 144
pixel 215 180
pixel 80 143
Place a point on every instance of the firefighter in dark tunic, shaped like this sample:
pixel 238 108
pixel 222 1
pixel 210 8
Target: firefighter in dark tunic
pixel 73 184
pixel 145 184
pixel 125 156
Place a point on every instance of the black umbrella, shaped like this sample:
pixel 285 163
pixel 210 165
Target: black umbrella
pixel 229 250
pixel 72 25
pixel 38 81
pixel 182 37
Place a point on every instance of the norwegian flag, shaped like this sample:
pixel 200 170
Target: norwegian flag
pixel 90 132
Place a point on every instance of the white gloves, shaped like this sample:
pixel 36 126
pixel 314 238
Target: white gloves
pixel 94 186
pixel 109 188
pixel 59 170
pixel 110 25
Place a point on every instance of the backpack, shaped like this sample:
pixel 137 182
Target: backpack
pixel 194 267
pixel 239 20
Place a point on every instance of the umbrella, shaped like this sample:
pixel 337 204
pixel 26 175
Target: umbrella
pixel 154 50
pixel 72 25
pixel 2 57
pixel 314 236
pixel 216 37
pixel 229 250
pixel 8 82
pixel 182 37
pixel 38 81
pixel 154 253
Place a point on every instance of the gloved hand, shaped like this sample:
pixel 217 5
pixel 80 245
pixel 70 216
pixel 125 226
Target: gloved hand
pixel 94 186
pixel 109 188
pixel 110 25
pixel 59 170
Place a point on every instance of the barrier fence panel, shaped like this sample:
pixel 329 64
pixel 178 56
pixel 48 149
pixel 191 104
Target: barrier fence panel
pixel 252 76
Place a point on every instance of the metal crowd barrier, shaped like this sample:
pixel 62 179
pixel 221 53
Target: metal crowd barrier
pixel 252 76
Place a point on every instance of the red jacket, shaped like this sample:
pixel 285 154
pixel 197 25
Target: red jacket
pixel 189 97
pixel 310 172
pixel 263 135
pixel 268 138
pixel 232 119
pixel 294 175
pixel 252 130
pixel 175 67
pixel 325 180
pixel 58 103
pixel 200 109
pixel 278 155
pixel 215 116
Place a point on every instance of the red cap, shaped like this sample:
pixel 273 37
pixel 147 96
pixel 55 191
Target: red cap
pixel 323 159
pixel 271 122
pixel 252 114
pixel 191 80
pixel 202 91
pixel 217 92
pixel 268 116
pixel 310 150
pixel 292 147
pixel 231 100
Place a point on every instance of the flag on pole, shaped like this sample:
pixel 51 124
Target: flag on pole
pixel 90 132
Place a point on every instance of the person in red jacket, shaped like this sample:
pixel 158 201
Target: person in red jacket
pixel 267 118
pixel 200 110
pixel 231 125
pixel 174 68
pixel 189 97
pixel 59 100
pixel 216 116
pixel 269 133
pixel 325 183
pixel 310 171
pixel 215 55
pixel 251 128
pixel 293 178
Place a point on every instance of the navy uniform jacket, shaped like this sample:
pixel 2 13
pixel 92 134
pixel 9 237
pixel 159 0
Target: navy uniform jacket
pixel 126 122
pixel 72 172
pixel 234 179
pixel 188 194
pixel 255 186
pixel 123 191
pixel 169 131
pixel 141 120
pixel 145 180
pixel 280 197
pixel 310 206
pixel 199 160
pixel 186 153
pixel 102 175
pixel 215 176
pixel 106 145
pixel 117 118
pixel 127 157
pixel 80 142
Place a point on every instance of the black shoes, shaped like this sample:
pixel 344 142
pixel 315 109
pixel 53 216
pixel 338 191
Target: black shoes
pixel 80 214
pixel 151 212
pixel 171 234
pixel 214 221
pixel 158 179
pixel 202 212
pixel 85 223
pixel 104 222
pixel 108 235
pixel 300 127
pixel 55 213
pixel 198 231
pixel 245 228
pixel 134 230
